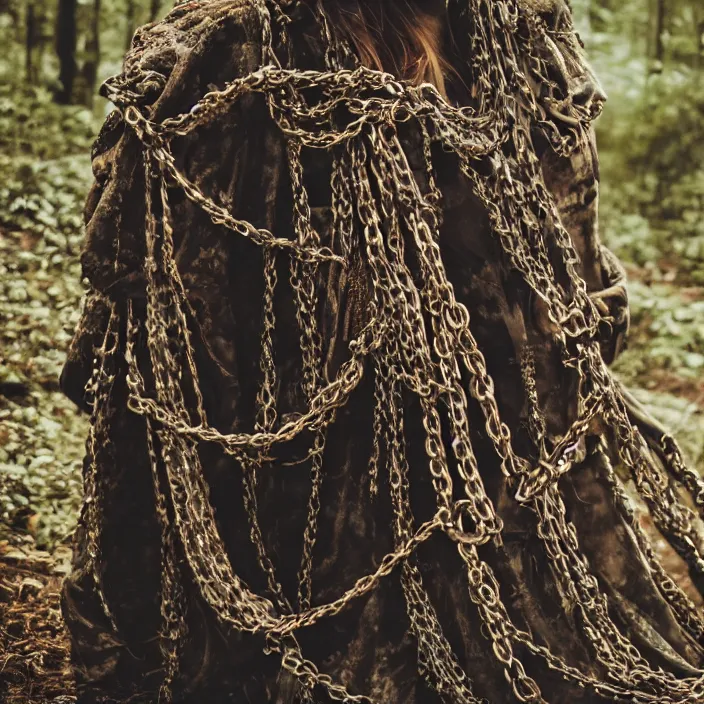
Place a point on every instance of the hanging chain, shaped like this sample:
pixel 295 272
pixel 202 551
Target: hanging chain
pixel 414 336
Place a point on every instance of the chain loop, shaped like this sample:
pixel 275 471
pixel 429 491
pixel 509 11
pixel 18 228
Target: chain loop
pixel 410 330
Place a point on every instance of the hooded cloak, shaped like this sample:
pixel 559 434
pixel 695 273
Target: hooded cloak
pixel 344 350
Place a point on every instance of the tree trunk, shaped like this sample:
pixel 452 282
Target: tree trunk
pixel 30 43
pixel 66 49
pixel 130 21
pixel 154 7
pixel 659 53
pixel 92 61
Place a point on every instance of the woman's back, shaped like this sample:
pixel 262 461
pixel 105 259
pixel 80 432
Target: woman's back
pixel 345 351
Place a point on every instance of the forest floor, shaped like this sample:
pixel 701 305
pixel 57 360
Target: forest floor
pixel 42 434
pixel 41 443
pixel 34 647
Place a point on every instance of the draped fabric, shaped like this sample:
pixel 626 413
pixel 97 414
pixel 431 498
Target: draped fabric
pixel 345 352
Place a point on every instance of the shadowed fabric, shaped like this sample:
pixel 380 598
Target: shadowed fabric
pixel 345 352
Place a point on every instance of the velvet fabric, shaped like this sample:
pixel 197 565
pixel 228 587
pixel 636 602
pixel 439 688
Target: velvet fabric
pixel 238 160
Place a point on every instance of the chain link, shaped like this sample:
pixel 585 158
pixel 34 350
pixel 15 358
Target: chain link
pixel 415 338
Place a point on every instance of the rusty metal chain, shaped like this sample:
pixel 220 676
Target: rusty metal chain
pixel 415 338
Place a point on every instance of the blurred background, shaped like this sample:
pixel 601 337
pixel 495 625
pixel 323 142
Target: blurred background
pixel 649 55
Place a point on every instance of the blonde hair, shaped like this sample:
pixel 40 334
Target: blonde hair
pixel 398 37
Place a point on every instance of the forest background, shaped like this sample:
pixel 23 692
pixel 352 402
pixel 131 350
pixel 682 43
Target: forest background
pixel 649 55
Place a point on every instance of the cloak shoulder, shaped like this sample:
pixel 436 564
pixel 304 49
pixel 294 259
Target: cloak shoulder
pixel 171 65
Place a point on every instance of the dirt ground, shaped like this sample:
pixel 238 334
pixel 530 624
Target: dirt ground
pixel 34 647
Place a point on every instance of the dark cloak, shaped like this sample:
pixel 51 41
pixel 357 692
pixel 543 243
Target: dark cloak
pixel 239 160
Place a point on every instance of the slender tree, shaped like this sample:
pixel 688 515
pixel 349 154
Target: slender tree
pixel 66 33
pixel 89 72
pixel 130 11
pixel 36 39
pixel 659 50
pixel 30 43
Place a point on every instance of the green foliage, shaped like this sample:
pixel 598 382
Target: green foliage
pixel 664 362
pixel 41 485
pixel 33 126
pixel 45 164
pixel 654 174
pixel 45 167
pixel 44 198
pixel 650 137
pixel 668 332
pixel 651 149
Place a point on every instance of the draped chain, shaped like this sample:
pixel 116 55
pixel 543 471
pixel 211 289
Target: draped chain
pixel 416 341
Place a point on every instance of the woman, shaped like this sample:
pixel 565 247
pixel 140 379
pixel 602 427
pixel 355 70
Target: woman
pixel 345 352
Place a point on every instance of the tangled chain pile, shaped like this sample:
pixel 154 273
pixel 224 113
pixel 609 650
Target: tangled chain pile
pixel 417 340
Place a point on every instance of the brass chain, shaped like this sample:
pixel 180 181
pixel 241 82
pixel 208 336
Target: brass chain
pixel 416 340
